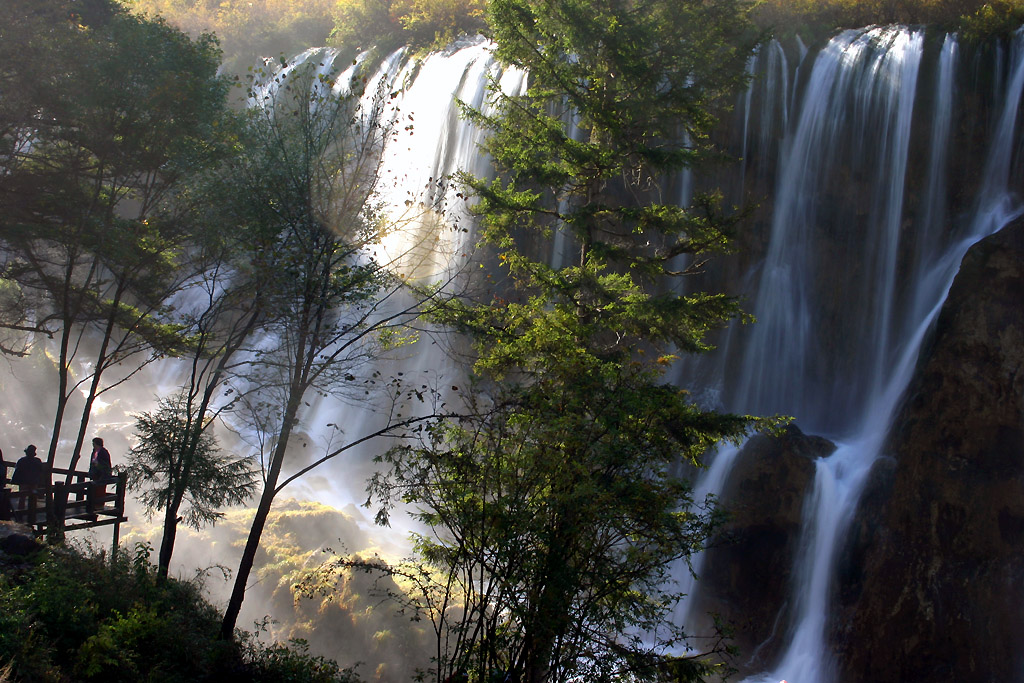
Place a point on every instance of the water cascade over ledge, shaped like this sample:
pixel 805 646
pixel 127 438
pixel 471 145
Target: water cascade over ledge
pixel 876 163
pixel 877 159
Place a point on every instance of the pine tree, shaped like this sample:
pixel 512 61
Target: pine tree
pixel 556 512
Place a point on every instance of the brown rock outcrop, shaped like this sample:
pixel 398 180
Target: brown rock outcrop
pixel 746 576
pixel 932 586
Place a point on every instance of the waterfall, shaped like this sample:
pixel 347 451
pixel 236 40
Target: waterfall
pixel 860 93
pixel 852 144
pixel 859 252
pixel 855 116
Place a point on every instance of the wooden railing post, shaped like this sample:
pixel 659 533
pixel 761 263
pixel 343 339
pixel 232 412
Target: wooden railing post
pixel 60 504
pixel 30 519
pixel 122 480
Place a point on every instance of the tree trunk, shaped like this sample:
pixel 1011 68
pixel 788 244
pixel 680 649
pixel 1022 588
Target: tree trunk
pixel 167 541
pixel 62 395
pixel 94 385
pixel 550 613
pixel 252 544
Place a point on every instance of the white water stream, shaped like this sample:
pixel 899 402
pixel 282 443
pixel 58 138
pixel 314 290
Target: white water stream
pixel 847 114
pixel 840 477
pixel 849 285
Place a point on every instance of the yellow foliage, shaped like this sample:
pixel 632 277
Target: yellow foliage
pixel 830 14
pixel 248 29
pixel 440 21
pixel 389 23
pixel 349 620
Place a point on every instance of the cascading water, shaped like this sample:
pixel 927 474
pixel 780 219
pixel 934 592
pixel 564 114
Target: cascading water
pixel 858 254
pixel 854 271
pixel 854 117
pixel 429 236
pixel 855 113
pixel 862 84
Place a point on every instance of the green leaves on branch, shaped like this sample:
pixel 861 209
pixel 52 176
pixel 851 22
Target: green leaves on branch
pixel 556 505
pixel 177 461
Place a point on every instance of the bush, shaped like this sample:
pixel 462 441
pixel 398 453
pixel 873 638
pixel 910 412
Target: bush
pixel 293 664
pixel 75 615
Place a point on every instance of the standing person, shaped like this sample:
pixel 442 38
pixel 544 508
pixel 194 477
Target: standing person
pixel 6 512
pixel 99 470
pixel 28 475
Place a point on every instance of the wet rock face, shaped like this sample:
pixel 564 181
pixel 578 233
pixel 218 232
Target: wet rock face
pixel 746 576
pixel 932 580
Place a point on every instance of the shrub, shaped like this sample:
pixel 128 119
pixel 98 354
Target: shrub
pixel 77 615
pixel 293 664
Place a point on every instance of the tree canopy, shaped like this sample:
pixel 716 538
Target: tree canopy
pixel 559 509
pixel 109 115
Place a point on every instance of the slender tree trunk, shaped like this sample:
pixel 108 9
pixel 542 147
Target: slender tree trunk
pixel 101 362
pixel 550 616
pixel 62 394
pixel 252 544
pixel 195 432
pixel 182 481
pixel 167 540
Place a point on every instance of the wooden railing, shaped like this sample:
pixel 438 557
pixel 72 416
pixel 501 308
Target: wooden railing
pixel 76 502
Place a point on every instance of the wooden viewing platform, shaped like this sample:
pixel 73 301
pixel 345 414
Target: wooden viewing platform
pixel 72 501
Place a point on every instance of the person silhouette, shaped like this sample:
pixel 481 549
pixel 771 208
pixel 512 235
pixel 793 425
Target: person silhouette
pixel 28 475
pixel 99 471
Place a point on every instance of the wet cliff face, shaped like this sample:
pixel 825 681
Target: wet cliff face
pixel 748 571
pixel 933 582
pixel 844 263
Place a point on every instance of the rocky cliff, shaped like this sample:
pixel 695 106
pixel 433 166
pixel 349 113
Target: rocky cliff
pixel 932 579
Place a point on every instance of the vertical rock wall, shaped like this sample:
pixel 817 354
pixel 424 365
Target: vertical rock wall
pixel 932 587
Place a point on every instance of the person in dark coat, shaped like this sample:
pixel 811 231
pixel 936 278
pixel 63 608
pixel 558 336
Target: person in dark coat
pixel 99 463
pixel 28 474
pixel 99 470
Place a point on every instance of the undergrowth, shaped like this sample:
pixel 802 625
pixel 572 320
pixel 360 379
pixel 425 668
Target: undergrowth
pixel 72 614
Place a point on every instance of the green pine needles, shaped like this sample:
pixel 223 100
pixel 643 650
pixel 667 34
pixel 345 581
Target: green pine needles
pixel 556 509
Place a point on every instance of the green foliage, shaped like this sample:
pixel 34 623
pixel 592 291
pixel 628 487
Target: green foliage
pixel 387 24
pixel 362 24
pixel 125 109
pixel 976 18
pixel 556 504
pixel 998 18
pixel 79 615
pixel 247 29
pixel 293 663
pixel 177 460
pixel 76 616
pixel 94 147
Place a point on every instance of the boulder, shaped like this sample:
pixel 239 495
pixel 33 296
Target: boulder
pixel 746 575
pixel 16 541
pixel 931 586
